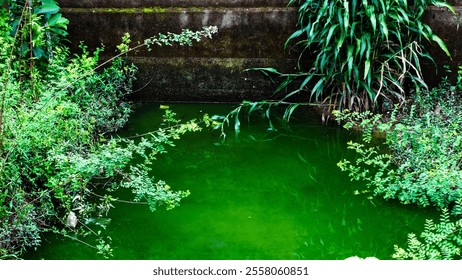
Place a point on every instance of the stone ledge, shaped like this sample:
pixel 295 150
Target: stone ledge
pixel 242 32
pixel 203 79
pixel 251 34
pixel 170 3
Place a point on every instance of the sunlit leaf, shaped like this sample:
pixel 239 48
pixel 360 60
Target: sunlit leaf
pixel 47 8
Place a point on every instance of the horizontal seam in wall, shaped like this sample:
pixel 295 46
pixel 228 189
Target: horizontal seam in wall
pixel 147 10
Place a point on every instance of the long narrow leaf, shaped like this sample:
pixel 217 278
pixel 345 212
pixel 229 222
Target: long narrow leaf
pixel 443 4
pixel 317 89
pixel 293 36
pixel 367 67
pixel 441 44
pixel 289 111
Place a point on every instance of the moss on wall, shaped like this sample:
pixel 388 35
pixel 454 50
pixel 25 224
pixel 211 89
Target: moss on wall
pixel 253 30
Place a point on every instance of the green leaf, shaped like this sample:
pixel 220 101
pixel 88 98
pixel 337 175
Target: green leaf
pixel 293 36
pixel 383 25
pixel 289 111
pixel 404 15
pixel 441 44
pixel 367 66
pixel 267 113
pixel 340 41
pixel 350 59
pixel 54 19
pixel 49 2
pixel 306 81
pixel 317 89
pixel 284 84
pixel 443 4
pixel 38 52
pixel 48 8
pixel 353 7
pixel 59 31
pixel 267 70
pixel 329 34
pixel 237 125
pixel 346 15
pixel 373 22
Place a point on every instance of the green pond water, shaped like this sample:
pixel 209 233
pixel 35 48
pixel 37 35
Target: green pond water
pixel 264 195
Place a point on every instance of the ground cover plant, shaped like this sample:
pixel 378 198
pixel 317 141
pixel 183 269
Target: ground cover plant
pixel 419 162
pixel 59 164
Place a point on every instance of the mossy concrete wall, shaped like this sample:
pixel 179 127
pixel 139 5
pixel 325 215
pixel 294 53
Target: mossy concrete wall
pixel 446 25
pixel 252 34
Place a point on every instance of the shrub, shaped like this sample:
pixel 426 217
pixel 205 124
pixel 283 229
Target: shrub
pixel 420 162
pixel 58 160
pixel 441 241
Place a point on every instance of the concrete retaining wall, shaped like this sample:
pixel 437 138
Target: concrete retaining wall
pixel 251 34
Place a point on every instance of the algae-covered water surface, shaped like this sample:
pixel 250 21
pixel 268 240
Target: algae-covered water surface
pixel 264 195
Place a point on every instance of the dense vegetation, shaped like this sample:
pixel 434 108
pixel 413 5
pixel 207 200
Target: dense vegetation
pixel 363 57
pixel 419 162
pixel 358 54
pixel 365 53
pixel 59 164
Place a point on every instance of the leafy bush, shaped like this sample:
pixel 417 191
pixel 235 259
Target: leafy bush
pixel 58 160
pixel 356 53
pixel 441 241
pixel 421 160
pixel 37 26
pixel 418 162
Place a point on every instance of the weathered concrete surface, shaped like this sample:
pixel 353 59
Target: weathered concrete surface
pixel 203 79
pixel 251 34
pixel 445 24
pixel 171 3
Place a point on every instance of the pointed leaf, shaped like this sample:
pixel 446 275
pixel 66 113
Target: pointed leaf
pixel 293 36
pixel 267 113
pixel 284 84
pixel 373 22
pixel 49 8
pixel 317 89
pixel 330 33
pixel 289 111
pixel 441 44
pixel 367 66
pixel 442 4
pixel 54 19
pixel 383 25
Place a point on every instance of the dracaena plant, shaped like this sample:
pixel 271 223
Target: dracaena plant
pixel 357 53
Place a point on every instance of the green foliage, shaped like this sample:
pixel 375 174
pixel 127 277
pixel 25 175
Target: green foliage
pixel 440 241
pixel 59 164
pixel 422 154
pixel 418 162
pixel 38 26
pixel 357 53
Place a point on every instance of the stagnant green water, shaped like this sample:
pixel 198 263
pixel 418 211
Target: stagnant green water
pixel 265 195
